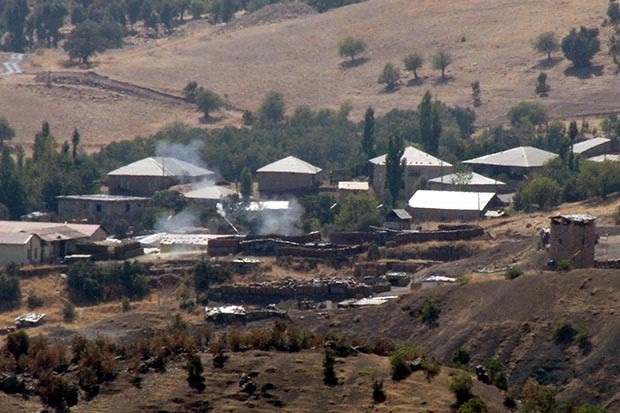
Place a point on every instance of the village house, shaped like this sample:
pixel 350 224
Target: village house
pixel 288 175
pixel 516 163
pixel 573 238
pixel 47 242
pixel 427 205
pixel 209 195
pixel 593 147
pixel 149 175
pixel 418 164
pixel 101 208
pixel 471 182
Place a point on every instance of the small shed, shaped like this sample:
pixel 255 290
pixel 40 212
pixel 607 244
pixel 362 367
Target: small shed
pixel 593 147
pixel 573 238
pixel 398 219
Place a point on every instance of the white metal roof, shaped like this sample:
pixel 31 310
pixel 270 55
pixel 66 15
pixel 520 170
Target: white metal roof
pixel 20 238
pixel 103 198
pixel 353 186
pixel 267 205
pixel 46 230
pixel 450 200
pixel 414 157
pixel 214 192
pixel 589 144
pixel 522 156
pixel 290 164
pixel 476 179
pixel 605 157
pixel 161 166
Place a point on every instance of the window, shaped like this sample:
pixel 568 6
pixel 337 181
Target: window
pixel 127 207
pixel 98 207
pixel 414 174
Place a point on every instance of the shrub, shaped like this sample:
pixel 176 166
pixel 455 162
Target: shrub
pixel 126 304
pixel 475 405
pixel 564 265
pixel 566 333
pixel 68 312
pixel 461 357
pixel 431 368
pixel 10 293
pixel 374 253
pixel 460 386
pixel 513 273
pixel 497 373
pixel 400 358
pixel 34 301
pixel 329 373
pixel 538 398
pixel 195 380
pixel 429 314
pixel 378 394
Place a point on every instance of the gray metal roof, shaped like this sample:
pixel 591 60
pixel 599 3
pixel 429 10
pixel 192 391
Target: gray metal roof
pixel 50 230
pixel 450 200
pixel 400 214
pixel 414 157
pixel 609 157
pixel 290 164
pixel 522 157
pixel 476 179
pixel 589 144
pixel 161 166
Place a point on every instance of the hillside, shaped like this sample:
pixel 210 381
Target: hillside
pixel 489 40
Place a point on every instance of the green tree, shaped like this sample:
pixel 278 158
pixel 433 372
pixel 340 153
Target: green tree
pixel 75 141
pixel 546 43
pixel 390 76
pixel 441 60
pixel 368 137
pixel 208 101
pixel 395 168
pixel 475 93
pixel 580 46
pixel 6 131
pixel 430 128
pixel 194 368
pixel 246 183
pixel 272 109
pixel 48 18
pixel 85 41
pixel 413 62
pixel 543 192
pixel 329 371
pixel 527 114
pixel 56 393
pixel 15 16
pixel 17 344
pixel 357 213
pixel 10 293
pixel 189 91
pixel 475 405
pixel 351 47
pixel 614 50
pixel 599 178
pixel 613 12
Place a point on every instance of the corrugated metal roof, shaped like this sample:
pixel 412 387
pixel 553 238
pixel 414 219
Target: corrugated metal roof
pixel 214 192
pixel 450 200
pixel 103 198
pixel 353 186
pixel 267 205
pixel 522 156
pixel 476 179
pixel 414 157
pixel 400 213
pixel 161 166
pixel 290 164
pixel 589 144
pixel 50 229
pixel 575 217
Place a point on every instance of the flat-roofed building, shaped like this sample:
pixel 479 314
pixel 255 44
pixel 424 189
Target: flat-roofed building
pixel 427 205
pixel 101 208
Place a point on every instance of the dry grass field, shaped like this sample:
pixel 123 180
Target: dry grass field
pixel 490 41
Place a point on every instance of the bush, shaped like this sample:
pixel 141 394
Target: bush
pixel 566 333
pixel 461 357
pixel 378 394
pixel 195 380
pixel 460 386
pixel 580 46
pixel 475 405
pixel 373 253
pixel 430 312
pixel 68 312
pixel 564 265
pixel 34 301
pixel 513 273
pixel 329 373
pixel 538 398
pixel 400 359
pixel 10 293
pixel 125 304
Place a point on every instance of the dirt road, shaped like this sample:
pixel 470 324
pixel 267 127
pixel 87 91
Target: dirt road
pixel 12 65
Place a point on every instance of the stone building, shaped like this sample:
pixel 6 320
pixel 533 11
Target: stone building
pixel 573 238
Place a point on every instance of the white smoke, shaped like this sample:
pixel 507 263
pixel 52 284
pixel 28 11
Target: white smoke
pixel 280 221
pixel 188 153
pixel 177 223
